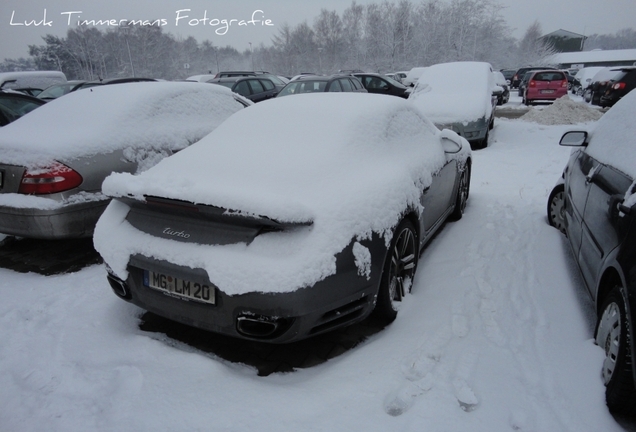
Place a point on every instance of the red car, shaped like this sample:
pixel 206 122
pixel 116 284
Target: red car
pixel 545 85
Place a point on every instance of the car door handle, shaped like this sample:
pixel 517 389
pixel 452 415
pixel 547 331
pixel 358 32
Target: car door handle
pixel 589 178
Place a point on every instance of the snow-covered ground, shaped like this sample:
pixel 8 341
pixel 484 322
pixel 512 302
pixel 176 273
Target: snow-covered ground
pixel 496 336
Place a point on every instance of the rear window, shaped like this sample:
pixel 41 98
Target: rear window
pixel 549 76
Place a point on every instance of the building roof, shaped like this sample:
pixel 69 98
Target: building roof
pixel 595 56
pixel 564 34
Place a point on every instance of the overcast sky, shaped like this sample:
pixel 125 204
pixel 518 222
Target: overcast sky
pixel 579 16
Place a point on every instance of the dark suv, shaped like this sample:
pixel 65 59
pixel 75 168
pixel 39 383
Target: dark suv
pixel 255 88
pixel 594 204
pixel 622 83
pixel 317 84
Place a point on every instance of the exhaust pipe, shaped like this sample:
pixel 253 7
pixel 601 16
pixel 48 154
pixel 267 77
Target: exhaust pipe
pixel 119 287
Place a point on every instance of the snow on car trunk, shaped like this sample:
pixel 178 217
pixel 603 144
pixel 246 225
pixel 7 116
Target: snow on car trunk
pixel 348 163
pixel 122 116
pixel 455 92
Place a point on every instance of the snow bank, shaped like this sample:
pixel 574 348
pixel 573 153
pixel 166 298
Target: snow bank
pixel 145 115
pixel 563 111
pixel 349 163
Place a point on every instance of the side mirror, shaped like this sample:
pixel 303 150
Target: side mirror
pixel 497 91
pixel 574 139
pixel 451 142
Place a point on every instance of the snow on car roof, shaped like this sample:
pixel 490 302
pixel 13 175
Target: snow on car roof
pixel 112 117
pixel 306 158
pixel 455 92
pixel 612 140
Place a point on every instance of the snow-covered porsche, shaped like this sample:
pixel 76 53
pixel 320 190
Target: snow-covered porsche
pixel 294 217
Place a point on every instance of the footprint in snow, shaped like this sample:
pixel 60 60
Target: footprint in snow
pixel 465 395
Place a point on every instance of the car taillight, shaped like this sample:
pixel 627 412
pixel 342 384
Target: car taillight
pixel 52 179
pixel 619 86
pixel 564 83
pixel 515 78
pixel 532 84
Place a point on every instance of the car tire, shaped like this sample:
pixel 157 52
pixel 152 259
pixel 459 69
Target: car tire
pixel 556 208
pixel 463 190
pixel 397 273
pixel 613 335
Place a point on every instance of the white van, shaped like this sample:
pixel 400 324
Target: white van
pixel 30 79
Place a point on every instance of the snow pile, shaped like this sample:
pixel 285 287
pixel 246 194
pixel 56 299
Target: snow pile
pixel 563 111
pixel 349 163
pixel 455 92
pixel 102 119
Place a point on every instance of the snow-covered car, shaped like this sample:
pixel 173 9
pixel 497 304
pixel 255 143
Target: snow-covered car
pixel 461 96
pixel 594 204
pixel 599 84
pixel 501 81
pixel 310 219
pixel 584 77
pixel 53 161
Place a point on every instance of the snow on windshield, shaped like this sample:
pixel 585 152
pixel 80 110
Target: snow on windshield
pixel 614 138
pixel 455 92
pixel 350 163
pixel 101 119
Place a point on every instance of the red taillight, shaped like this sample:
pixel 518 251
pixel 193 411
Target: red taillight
pixel 515 78
pixel 52 179
pixel 532 83
pixel 619 86
pixel 564 83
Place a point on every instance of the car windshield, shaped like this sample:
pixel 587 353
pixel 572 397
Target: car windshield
pixel 394 82
pixel 302 86
pixel 55 91
pixel 227 84
pixel 14 108
pixel 548 76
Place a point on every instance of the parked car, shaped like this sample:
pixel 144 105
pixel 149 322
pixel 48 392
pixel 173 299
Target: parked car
pixel 54 160
pixel 545 85
pixel 622 83
pixel 227 74
pixel 398 76
pixel 254 88
pixel 34 80
pixel 584 77
pixel 516 79
pixel 508 74
pixel 318 84
pixel 57 90
pixel 523 83
pixel 278 233
pixel 461 96
pixel 15 105
pixel 594 204
pixel 412 76
pixel 376 83
pixel 599 84
pixel 501 81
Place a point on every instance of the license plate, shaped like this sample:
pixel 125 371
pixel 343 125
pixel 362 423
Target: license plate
pixel 180 288
pixel 547 91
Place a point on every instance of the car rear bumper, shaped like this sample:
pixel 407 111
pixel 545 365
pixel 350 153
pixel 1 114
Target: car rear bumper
pixel 537 95
pixel 338 300
pixel 68 221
